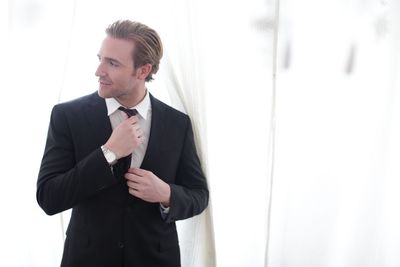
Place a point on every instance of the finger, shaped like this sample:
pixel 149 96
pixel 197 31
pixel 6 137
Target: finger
pixel 133 185
pixel 136 130
pixel 135 193
pixel 133 120
pixel 131 170
pixel 139 132
pixel 133 177
pixel 128 175
pixel 135 171
pixel 138 172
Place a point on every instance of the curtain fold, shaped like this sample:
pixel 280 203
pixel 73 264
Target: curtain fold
pixel 182 77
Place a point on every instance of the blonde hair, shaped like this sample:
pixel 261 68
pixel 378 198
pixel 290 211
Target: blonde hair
pixel 148 46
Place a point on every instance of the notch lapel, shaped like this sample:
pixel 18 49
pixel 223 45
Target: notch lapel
pixel 100 125
pixel 155 138
pixel 96 115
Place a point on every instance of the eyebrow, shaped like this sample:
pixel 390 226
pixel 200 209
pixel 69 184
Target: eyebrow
pixel 111 59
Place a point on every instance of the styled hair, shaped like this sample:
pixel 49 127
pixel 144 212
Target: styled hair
pixel 148 46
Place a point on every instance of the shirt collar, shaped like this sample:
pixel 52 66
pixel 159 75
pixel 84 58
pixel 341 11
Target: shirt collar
pixel 142 107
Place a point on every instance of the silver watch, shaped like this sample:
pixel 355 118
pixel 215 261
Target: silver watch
pixel 109 155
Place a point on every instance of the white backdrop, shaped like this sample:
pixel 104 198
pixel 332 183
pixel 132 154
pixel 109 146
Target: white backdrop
pixel 335 176
pixel 335 200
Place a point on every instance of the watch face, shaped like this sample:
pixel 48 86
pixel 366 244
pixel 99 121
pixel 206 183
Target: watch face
pixel 110 156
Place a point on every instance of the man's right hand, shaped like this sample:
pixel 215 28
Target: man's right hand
pixel 125 137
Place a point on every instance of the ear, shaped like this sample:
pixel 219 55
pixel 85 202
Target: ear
pixel 143 71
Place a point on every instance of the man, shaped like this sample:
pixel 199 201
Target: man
pixel 125 162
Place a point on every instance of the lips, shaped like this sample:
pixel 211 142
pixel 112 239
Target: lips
pixel 103 82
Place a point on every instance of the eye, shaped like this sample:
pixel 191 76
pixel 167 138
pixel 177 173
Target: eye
pixel 113 63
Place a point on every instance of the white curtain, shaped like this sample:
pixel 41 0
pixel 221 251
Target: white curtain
pixel 195 234
pixel 181 75
pixel 336 181
pixel 324 131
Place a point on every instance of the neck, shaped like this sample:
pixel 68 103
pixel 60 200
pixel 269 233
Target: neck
pixel 133 99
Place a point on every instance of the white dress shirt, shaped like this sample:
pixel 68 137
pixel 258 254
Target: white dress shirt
pixel 144 115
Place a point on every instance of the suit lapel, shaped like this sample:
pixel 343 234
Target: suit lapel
pixel 156 132
pixel 96 115
pixel 99 123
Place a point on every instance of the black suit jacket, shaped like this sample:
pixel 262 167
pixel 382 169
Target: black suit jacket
pixel 108 226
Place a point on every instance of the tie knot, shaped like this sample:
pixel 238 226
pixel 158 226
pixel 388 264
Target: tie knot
pixel 129 112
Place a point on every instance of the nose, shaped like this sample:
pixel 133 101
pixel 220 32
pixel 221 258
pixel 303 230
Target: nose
pixel 99 71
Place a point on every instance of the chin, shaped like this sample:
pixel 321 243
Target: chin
pixel 103 93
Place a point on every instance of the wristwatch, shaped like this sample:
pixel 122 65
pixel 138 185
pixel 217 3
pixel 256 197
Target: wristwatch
pixel 109 155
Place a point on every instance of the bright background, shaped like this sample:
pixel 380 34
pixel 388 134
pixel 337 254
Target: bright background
pixel 296 104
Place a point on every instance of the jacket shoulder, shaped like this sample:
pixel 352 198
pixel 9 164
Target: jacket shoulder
pixel 80 102
pixel 167 109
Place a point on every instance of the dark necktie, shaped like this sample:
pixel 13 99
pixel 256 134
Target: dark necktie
pixel 129 112
pixel 126 161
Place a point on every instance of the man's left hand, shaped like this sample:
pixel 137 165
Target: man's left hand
pixel 147 186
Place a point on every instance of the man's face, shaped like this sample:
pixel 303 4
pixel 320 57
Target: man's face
pixel 116 72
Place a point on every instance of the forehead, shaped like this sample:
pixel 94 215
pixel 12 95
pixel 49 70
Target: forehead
pixel 118 49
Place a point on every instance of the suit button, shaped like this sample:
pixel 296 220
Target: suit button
pixel 121 245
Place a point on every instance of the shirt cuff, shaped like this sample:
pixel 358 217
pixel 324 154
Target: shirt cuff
pixel 164 210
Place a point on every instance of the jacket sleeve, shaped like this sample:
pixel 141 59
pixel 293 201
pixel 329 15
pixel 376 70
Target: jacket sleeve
pixel 189 195
pixel 64 181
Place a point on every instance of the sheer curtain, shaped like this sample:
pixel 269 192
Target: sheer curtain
pixel 34 39
pixel 337 147
pixel 182 76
